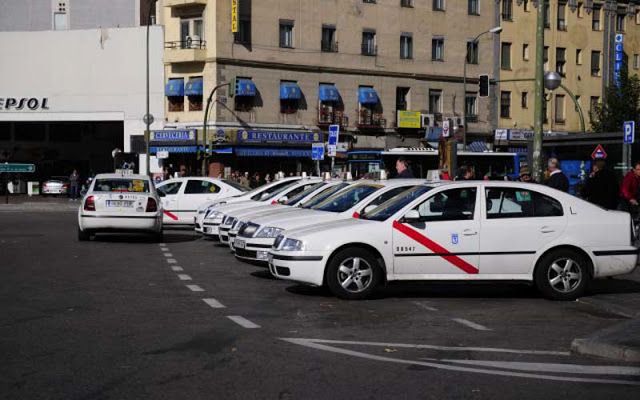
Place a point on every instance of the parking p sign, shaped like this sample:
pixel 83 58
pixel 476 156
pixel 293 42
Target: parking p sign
pixel 334 133
pixel 629 131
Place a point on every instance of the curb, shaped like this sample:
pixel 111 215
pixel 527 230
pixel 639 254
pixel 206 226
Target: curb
pixel 619 342
pixel 610 307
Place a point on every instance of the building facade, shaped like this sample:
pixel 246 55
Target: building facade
pixel 300 66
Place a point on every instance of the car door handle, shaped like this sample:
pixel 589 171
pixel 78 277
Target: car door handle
pixel 469 232
pixel 547 229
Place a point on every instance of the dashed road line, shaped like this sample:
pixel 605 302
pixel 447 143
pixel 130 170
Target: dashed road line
pixel 162 244
pixel 172 261
pixel 164 248
pixel 214 303
pixel 470 324
pixel 424 306
pixel 177 268
pixel 243 322
pixel 168 255
pixel 184 277
pixel 195 288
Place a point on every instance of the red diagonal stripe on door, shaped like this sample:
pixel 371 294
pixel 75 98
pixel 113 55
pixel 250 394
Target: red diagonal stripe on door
pixel 436 248
pixel 170 215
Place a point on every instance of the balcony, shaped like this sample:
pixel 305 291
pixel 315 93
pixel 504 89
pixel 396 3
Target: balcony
pixel 332 118
pixel 184 3
pixel 329 46
pixel 369 120
pixel 184 51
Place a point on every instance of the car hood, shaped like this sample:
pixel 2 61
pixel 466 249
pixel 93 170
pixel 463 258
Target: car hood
pixel 257 209
pixel 297 219
pixel 252 214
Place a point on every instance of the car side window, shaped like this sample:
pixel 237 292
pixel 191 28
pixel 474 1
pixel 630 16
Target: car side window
pixel 200 187
pixel 170 188
pixel 519 203
pixel 387 195
pixel 449 205
pixel 300 189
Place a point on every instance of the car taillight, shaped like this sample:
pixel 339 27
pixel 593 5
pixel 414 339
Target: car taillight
pixel 152 205
pixel 90 204
pixel 66 186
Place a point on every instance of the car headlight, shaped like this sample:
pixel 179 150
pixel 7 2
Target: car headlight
pixel 292 245
pixel 247 230
pixel 229 220
pixel 210 214
pixel 269 232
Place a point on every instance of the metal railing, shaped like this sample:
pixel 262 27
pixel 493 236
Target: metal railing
pixel 329 46
pixel 188 43
pixel 369 49
pixel 367 119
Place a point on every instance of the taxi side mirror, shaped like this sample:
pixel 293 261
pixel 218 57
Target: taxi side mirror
pixel 369 208
pixel 264 196
pixel 411 216
pixel 283 199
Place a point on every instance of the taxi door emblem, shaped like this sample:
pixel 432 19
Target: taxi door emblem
pixel 454 238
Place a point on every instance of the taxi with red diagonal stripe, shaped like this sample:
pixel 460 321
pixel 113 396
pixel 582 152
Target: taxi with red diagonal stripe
pixel 474 230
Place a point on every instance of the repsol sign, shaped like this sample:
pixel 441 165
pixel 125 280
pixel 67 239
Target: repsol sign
pixel 28 103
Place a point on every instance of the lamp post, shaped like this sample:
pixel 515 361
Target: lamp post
pixel 148 118
pixel 204 126
pixel 538 116
pixel 494 30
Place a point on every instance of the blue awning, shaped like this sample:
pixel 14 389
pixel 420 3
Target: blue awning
pixel 194 87
pixel 272 152
pixel 175 87
pixel 245 87
pixel 328 93
pixel 367 95
pixel 478 146
pixel 290 91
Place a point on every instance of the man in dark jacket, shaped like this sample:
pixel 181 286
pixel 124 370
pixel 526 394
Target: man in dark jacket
pixel 557 179
pixel 402 167
pixel 602 187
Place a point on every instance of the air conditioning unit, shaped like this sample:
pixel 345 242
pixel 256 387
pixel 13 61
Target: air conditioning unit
pixel 427 120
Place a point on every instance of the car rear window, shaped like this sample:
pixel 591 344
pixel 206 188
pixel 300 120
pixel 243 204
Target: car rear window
pixel 120 185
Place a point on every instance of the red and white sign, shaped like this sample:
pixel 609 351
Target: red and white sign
pixel 599 153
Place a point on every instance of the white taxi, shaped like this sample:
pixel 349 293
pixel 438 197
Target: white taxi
pixel 181 197
pixel 210 209
pixel 120 203
pixel 256 237
pixel 464 231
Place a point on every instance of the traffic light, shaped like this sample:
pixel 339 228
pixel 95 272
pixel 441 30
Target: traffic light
pixel 484 86
pixel 233 87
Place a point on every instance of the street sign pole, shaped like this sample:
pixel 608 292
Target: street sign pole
pixel 629 133
pixel 334 133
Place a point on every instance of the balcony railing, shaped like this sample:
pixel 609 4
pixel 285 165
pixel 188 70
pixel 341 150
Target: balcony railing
pixel 471 118
pixel 333 118
pixel 369 49
pixel 329 47
pixel 184 3
pixel 370 120
pixel 188 43
pixel 185 51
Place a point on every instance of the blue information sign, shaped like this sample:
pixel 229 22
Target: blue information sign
pixel 629 131
pixel 317 151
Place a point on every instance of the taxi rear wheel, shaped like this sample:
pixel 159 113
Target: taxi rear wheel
pixel 353 274
pixel 562 275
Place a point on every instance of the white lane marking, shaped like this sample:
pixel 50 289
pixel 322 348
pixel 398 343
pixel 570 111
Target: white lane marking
pixel 213 303
pixel 164 249
pixel 316 344
pixel 162 244
pixel 177 268
pixel 470 324
pixel 172 261
pixel 184 277
pixel 168 255
pixel 243 322
pixel 426 307
pixel 549 367
pixel 195 288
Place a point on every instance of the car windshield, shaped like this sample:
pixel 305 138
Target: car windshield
pixel 121 185
pixel 297 198
pixel 263 193
pixel 346 199
pixel 236 185
pixel 323 195
pixel 396 203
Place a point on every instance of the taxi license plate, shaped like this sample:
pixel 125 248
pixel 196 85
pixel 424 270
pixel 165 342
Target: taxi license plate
pixel 239 243
pixel 119 203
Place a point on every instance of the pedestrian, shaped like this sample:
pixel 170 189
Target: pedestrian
pixel 525 175
pixel 557 179
pixel 629 189
pixel 74 181
pixel 466 173
pixel 267 178
pixel 244 179
pixel 601 187
pixel 403 168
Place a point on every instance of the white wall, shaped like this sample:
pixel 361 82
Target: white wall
pixel 85 74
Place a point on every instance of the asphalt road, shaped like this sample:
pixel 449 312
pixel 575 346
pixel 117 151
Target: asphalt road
pixel 126 318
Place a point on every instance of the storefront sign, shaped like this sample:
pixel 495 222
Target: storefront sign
pixel 255 136
pixel 234 16
pixel 272 152
pixel 520 135
pixel 174 135
pixel 619 58
pixel 502 134
pixel 409 119
pixel 32 103
pixel 368 156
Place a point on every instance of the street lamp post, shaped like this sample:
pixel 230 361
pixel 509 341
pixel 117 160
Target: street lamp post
pixel 204 126
pixel 495 30
pixel 539 94
pixel 148 118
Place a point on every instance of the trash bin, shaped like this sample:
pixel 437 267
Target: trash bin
pixel 33 188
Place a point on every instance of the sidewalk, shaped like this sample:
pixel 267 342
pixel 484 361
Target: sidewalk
pixel 621 296
pixel 23 202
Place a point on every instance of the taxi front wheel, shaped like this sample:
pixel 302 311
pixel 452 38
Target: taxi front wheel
pixel 562 274
pixel 353 274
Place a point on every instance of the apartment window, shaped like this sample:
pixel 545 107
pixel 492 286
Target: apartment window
pixel 195 100
pixel 505 104
pixel 524 100
pixel 191 33
pixel 620 22
pixel 595 18
pixel 561 60
pixel 243 36
pixel 580 10
pixel 595 63
pixel 291 104
pixel 578 56
pixel 473 7
pixel 437 49
pixel 438 5
pixel 593 103
pixel 286 34
pixel 472 52
pixel 505 56
pixel 562 17
pixel 369 1
pixel 636 61
pixel 328 42
pixel 402 98
pixel 638 17
pixel 507 10
pixel 545 57
pixel 547 14
pixel 559 111
pixel 406 46
pixel 175 103
pixel 406 3
pixel 525 52
pixel 526 6
pixel 471 105
pixel 369 43
pixel 435 101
